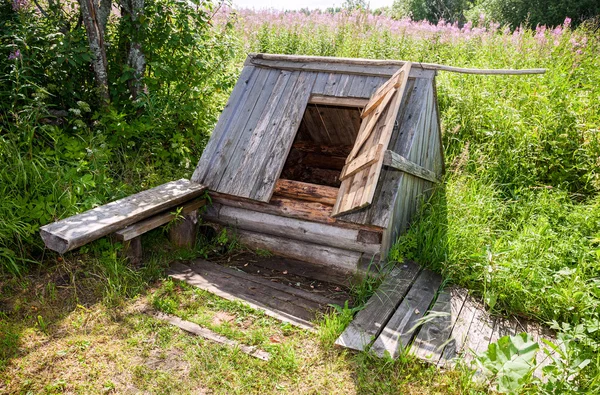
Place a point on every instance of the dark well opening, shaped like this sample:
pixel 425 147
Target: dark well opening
pixel 323 141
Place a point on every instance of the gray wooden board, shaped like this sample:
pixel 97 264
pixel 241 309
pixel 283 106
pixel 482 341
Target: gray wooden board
pixel 297 229
pixel 400 329
pixel 263 180
pixel 271 301
pixel 331 84
pixel 154 222
pixel 479 335
pixel 75 231
pixel 460 332
pixel 338 258
pixel 435 333
pixel 398 162
pixel 226 149
pixel 206 333
pixel 320 82
pixel 237 97
pixel 370 321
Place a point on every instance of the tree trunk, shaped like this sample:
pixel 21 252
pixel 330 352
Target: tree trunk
pixel 95 17
pixel 135 56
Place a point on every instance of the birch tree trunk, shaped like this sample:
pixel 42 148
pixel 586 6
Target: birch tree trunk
pixel 95 16
pixel 135 56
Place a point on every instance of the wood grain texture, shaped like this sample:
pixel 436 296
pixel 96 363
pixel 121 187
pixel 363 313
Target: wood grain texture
pixel 365 159
pixel 305 191
pixel 75 231
pixel 206 333
pixel 368 323
pixel 183 233
pixel 274 303
pixel 398 162
pixel 460 332
pixel 296 229
pixel 154 222
pixel 400 329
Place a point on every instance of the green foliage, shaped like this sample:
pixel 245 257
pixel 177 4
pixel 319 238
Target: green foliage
pixel 510 362
pixel 431 10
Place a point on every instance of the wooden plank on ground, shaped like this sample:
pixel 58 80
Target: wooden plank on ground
pixel 480 334
pixel 460 332
pixel 75 231
pixel 154 222
pixel 306 191
pixel 206 333
pixel 370 321
pixel 399 162
pixel 319 254
pixel 400 329
pixel 435 333
pixel 276 304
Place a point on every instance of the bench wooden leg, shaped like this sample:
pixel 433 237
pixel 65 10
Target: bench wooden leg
pixel 132 250
pixel 183 234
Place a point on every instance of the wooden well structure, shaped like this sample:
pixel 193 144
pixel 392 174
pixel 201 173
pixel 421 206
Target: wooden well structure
pixel 323 159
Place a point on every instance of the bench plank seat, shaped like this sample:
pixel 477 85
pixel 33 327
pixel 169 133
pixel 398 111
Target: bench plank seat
pixel 75 231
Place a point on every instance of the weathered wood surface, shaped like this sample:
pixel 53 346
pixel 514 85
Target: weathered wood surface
pixel 400 329
pixel 315 253
pixel 154 222
pixel 337 101
pixel 75 231
pixel 183 233
pixel 342 63
pixel 365 159
pixel 308 146
pixel 305 191
pixel 460 333
pixel 399 162
pixel 370 321
pixel 304 231
pixel 207 334
pixel 132 251
pixel 236 285
pixel 435 332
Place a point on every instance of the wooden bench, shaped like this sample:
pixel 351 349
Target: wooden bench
pixel 130 217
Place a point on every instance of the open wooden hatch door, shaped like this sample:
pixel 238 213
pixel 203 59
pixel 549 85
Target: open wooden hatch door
pixel 363 166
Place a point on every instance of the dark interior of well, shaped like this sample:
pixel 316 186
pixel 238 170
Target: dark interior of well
pixel 324 139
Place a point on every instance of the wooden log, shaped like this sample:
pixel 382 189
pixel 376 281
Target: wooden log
pixel 341 62
pixel 338 101
pixel 80 229
pixel 318 254
pixel 183 233
pixel 291 208
pixel 135 230
pixel 304 231
pixel 399 162
pixel 308 146
pixel 205 333
pixel 324 161
pixel 305 191
pixel 369 322
pixel 132 250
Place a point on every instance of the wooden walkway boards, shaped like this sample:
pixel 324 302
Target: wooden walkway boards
pixel 413 312
pixel 288 304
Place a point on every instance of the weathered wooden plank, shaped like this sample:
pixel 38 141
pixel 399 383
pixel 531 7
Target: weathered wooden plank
pixel 479 335
pixel 234 289
pixel 503 326
pixel 393 83
pixel 296 249
pixel 304 231
pixel 332 84
pixel 358 86
pixel 435 333
pixel 400 329
pixel 306 191
pixel 273 156
pixel 206 333
pixel 339 63
pixel 240 91
pixel 368 323
pixel 361 161
pixel 320 82
pixel 75 231
pixel 323 162
pixel 308 146
pixel 460 333
pixel 398 162
pixel 337 101
pixel 154 222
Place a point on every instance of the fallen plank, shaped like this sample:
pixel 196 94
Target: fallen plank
pixel 233 288
pixel 435 333
pixel 460 331
pixel 369 321
pixel 80 229
pixel 400 329
pixel 197 330
pixel 154 222
pixel 479 336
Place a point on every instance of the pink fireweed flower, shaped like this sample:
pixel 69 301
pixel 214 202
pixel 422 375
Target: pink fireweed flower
pixel 14 55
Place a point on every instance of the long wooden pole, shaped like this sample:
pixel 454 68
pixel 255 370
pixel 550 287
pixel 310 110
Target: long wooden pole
pixel 377 62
